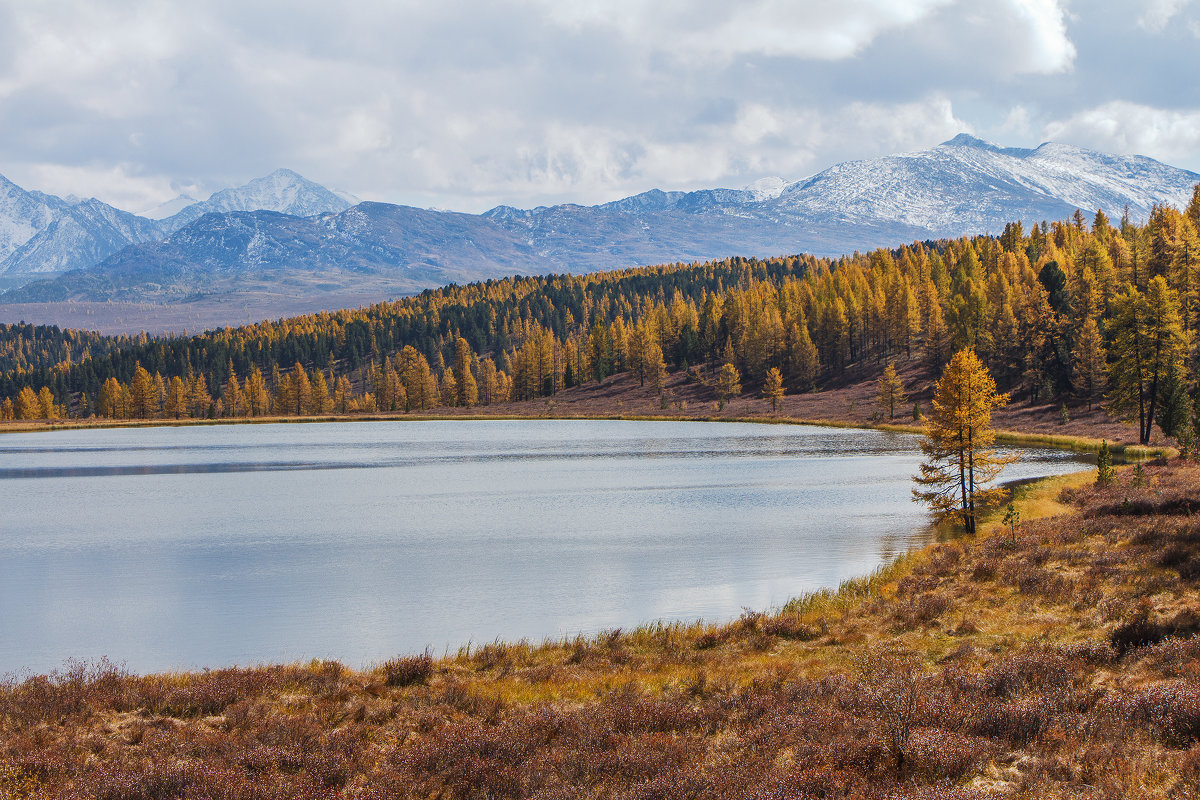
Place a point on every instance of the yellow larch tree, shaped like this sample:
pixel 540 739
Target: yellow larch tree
pixel 959 460
pixel 890 389
pixel 773 388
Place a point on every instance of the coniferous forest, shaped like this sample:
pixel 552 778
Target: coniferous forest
pixel 1091 309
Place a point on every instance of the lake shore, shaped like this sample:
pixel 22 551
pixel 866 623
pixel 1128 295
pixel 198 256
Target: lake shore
pixel 686 397
pixel 967 669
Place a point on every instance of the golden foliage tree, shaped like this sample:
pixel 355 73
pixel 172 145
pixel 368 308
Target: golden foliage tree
pixel 1090 368
pixel 729 383
pixel 890 389
pixel 1149 345
pixel 959 459
pixel 144 394
pixel 256 394
pixel 466 393
pixel 28 405
pixel 773 388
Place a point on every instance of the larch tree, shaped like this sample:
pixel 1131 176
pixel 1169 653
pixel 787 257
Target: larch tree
pixel 655 365
pixel 256 393
pixel 488 388
pixel 322 403
pixel 890 389
pixel 177 399
pixel 143 393
pixel 773 388
pixel 303 389
pixel 49 408
pixel 342 395
pixel 28 406
pixel 959 460
pixel 803 362
pixel 1090 369
pixel 109 403
pixel 1149 345
pixel 466 393
pixel 729 384
pixel 232 398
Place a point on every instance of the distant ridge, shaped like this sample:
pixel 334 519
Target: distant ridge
pixel 41 233
pixel 282 235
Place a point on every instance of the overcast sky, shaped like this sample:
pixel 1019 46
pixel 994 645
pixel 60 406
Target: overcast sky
pixel 465 104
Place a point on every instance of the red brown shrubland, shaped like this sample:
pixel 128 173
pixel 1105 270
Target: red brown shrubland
pixel 1062 665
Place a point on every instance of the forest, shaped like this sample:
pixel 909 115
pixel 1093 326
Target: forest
pixel 1092 310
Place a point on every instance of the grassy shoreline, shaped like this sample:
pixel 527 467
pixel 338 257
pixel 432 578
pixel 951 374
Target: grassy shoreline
pixel 1007 437
pixel 1060 661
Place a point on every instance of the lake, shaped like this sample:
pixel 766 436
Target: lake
pixel 179 548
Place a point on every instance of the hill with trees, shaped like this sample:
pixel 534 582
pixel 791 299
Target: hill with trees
pixel 1074 308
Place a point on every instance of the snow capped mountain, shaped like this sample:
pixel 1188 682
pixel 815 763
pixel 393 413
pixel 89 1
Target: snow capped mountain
pixel 41 233
pixel 967 185
pixel 284 235
pixel 83 233
pixel 283 191
pixel 22 215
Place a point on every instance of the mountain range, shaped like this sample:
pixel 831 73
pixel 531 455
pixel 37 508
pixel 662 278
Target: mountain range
pixel 286 236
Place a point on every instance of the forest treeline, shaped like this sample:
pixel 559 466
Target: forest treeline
pixel 1089 308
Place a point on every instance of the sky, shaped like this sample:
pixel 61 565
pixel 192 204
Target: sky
pixel 467 104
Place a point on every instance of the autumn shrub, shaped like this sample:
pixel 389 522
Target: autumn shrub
pixel 1018 722
pixel 408 670
pixel 1040 672
pixel 1174 658
pixel 936 755
pixel 1140 631
pixel 788 626
pixel 205 693
pixel 1168 711
pixel 79 688
pixel 922 609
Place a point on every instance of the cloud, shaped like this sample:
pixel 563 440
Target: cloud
pixel 465 104
pixel 1048 48
pixel 123 185
pixel 1127 127
pixel 808 29
pixel 1158 13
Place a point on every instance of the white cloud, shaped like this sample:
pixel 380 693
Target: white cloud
pixel 465 103
pixel 1126 127
pixel 1017 121
pixel 123 185
pixel 1159 13
pixel 811 29
pixel 1049 49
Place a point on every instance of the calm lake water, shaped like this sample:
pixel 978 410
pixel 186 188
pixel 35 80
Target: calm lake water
pixel 188 547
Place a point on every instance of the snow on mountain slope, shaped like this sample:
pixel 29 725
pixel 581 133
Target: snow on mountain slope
pixel 296 236
pixel 83 233
pixel 283 191
pixel 41 233
pixel 967 185
pixel 22 215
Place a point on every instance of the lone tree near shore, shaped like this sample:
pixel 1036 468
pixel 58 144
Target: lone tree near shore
pixel 959 459
pixel 890 389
